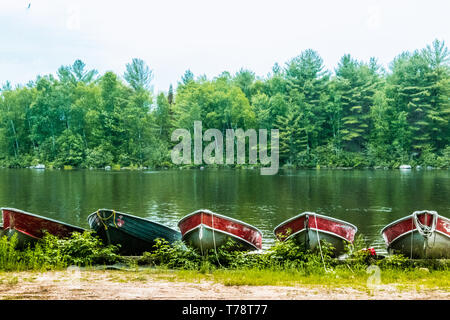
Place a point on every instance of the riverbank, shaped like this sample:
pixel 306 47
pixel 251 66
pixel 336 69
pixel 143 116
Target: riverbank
pixel 173 285
pixel 48 271
pixel 168 166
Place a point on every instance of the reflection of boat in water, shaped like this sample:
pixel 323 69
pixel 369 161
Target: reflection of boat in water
pixel 423 234
pixel 308 228
pixel 380 209
pixel 134 234
pixel 31 227
pixel 205 230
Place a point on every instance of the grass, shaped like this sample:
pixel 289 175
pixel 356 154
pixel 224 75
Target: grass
pixel 285 264
pixel 340 278
pixel 394 283
pixel 52 253
pixel 412 279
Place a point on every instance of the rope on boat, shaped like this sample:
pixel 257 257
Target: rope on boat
pixel 412 238
pixel 200 236
pixel 102 220
pixel 214 239
pixel 425 230
pixel 200 233
pixel 320 247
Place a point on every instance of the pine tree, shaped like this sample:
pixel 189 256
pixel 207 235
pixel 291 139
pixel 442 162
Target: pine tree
pixel 170 95
pixel 306 86
pixel 415 88
pixel 357 84
pixel 162 116
pixel 291 137
pixel 437 56
pixel 138 75
pixel 187 77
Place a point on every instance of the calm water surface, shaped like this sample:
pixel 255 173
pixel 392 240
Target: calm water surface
pixel 369 199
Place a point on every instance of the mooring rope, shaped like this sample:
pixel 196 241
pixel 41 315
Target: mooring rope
pixel 318 241
pixel 200 234
pixel 113 214
pixel 425 230
pixel 214 239
pixel 412 238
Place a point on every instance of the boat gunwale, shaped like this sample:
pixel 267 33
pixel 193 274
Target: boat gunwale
pixel 410 216
pixel 388 245
pixel 220 231
pixel 22 232
pixel 41 217
pixel 290 236
pixel 131 216
pixel 317 230
pixel 316 214
pixel 218 215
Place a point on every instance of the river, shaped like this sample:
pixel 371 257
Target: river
pixel 369 199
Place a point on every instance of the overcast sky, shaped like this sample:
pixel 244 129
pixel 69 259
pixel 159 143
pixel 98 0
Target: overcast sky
pixel 208 36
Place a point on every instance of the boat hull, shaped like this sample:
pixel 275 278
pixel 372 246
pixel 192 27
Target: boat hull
pixel 308 228
pixel 403 237
pixel 206 230
pixel 135 235
pixel 31 227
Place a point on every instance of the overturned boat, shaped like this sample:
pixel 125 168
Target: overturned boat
pixel 423 234
pixel 308 228
pixel 204 229
pixel 31 227
pixel 135 235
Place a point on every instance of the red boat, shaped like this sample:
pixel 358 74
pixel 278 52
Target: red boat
pixel 308 228
pixel 423 234
pixel 31 227
pixel 205 230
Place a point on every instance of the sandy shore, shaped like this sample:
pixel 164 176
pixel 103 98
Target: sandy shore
pixel 119 286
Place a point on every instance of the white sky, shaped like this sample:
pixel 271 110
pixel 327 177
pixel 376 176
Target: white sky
pixel 208 36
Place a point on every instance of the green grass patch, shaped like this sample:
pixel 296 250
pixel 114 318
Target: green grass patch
pixel 337 278
pixel 288 264
pixel 284 264
pixel 52 253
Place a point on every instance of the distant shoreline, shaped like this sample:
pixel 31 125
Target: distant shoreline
pixel 244 167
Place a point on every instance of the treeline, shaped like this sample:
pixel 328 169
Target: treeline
pixel 360 115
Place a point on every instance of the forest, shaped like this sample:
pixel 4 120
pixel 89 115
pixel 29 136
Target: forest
pixel 358 115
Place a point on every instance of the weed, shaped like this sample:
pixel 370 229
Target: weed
pixel 52 253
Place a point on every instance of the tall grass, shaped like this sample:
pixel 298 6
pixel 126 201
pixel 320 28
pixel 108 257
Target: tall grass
pixel 285 263
pixel 287 257
pixel 52 253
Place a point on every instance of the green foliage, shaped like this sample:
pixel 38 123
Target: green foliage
pixel 357 117
pixel 176 255
pixel 84 249
pixel 138 75
pixel 9 257
pixel 70 149
pixel 98 157
pixel 80 249
pixel 51 253
pixel 395 262
pixel 281 256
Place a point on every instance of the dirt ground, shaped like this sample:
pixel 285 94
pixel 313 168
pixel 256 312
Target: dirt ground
pixel 76 285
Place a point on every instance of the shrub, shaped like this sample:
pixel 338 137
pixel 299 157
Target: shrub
pixel 51 252
pixel 84 249
pixel 283 255
pixel 99 157
pixel 176 255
